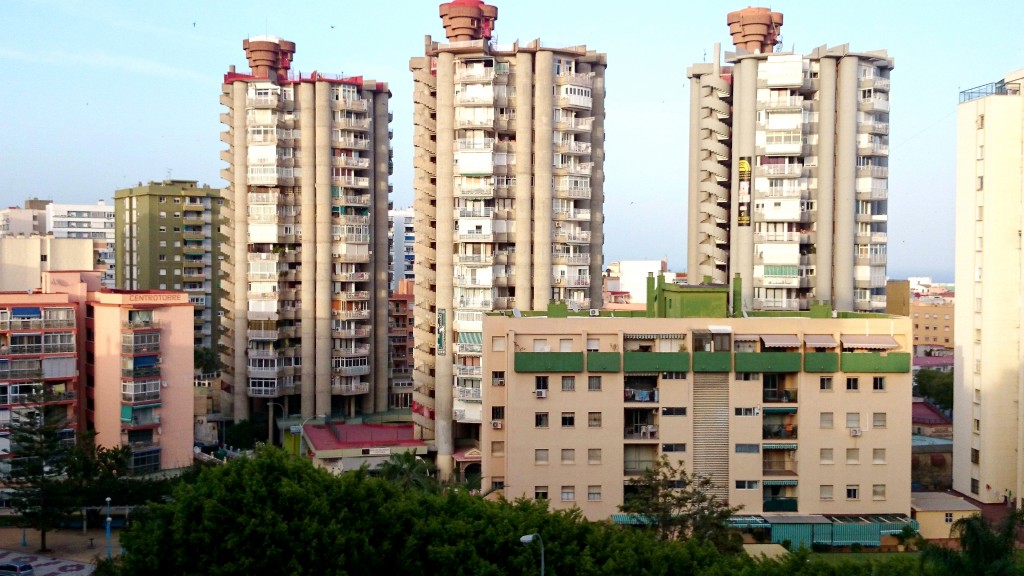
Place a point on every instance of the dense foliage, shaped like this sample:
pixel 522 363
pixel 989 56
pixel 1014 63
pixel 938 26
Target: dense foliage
pixel 936 386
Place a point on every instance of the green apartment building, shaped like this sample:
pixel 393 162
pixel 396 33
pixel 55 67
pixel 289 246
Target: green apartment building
pixel 167 239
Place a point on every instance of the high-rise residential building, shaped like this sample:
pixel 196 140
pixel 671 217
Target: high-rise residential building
pixel 306 223
pixel 169 239
pixel 400 345
pixel 788 174
pixel 401 240
pixel 23 259
pixel 509 195
pixel 988 426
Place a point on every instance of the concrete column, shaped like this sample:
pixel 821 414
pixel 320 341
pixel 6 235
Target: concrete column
pixel 444 381
pixel 240 252
pixel 524 180
pixel 321 236
pixel 845 208
pixel 597 187
pixel 693 187
pixel 543 119
pixel 307 250
pixel 826 178
pixel 741 238
pixel 379 234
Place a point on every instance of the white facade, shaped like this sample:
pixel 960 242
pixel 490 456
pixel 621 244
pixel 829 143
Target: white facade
pixel 92 221
pixel 402 237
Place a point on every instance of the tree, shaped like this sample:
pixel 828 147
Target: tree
pixel 96 472
pixel 679 506
pixel 936 385
pixel 408 471
pixel 243 435
pixel 40 444
pixel 206 360
pixel 985 549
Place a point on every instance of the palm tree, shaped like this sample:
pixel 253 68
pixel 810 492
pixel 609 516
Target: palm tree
pixel 408 470
pixel 985 549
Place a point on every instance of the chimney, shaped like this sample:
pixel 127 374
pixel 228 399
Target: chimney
pixel 468 20
pixel 755 30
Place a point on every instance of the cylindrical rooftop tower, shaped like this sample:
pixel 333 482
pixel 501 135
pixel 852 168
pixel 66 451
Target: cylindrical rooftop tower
pixel 269 53
pixel 755 30
pixel 468 20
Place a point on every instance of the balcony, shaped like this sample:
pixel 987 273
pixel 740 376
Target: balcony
pixel 482 191
pixel 354 295
pixel 570 259
pixel 779 396
pixel 351 332
pixel 352 182
pixel 875 82
pixel 548 362
pixel 571 236
pixel 821 362
pixel 139 324
pixel 467 393
pixel 773 362
pixel 474 259
pixel 354 104
pixel 271 101
pixel 350 199
pixel 147 396
pixel 350 143
pixel 580 215
pixel 640 432
pixel 264 335
pixel 780 170
pixel 468 371
pixel 873 127
pixel 356 258
pixel 573 147
pixel 350 389
pixel 474 74
pixel 785 304
pixel 575 124
pixel 473 213
pixel 361 370
pixel 463 99
pixel 474 144
pixel 891 362
pixel 873 149
pixel 775 431
pixel 573 169
pixel 778 468
pixel 569 79
pixel 779 504
pixel 350 352
pixel 575 101
pixel 783 103
pixel 475 236
pixel 712 361
pixel 468 349
pixel 873 105
pixel 653 361
pixel 572 193
pixel 571 281
pixel 141 372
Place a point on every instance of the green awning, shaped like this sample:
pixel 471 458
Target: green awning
pixel 780 446
pixel 781 410
pixel 470 338
pixel 126 413
pixel 148 405
pixel 631 519
pixel 778 483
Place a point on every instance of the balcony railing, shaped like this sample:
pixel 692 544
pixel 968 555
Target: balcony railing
pixel 140 396
pixel 467 393
pixel 640 432
pixel 468 371
pixel 141 372
pixel 774 431
pixel 350 389
pixel 779 396
pixel 779 504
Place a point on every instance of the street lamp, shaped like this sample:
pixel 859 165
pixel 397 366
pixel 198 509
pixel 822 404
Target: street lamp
pixel 108 527
pixel 302 431
pixel 270 420
pixel 526 540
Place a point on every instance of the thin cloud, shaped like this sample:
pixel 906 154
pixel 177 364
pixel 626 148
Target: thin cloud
pixel 104 60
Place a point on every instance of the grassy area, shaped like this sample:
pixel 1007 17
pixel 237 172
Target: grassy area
pixel 837 557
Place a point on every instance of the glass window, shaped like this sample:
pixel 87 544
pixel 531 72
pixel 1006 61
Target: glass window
pixel 568 493
pixel 852 492
pixel 853 455
pixel 568 419
pixel 540 419
pixel 878 492
pixel 568 383
pixel 568 456
pixel 540 492
pixel 540 456
pixel 540 382
pixel 878 455
pixel 878 420
pixel 593 493
pixel 852 383
pixel 825 455
pixel 594 419
pixel 825 383
pixel 594 383
pixel 878 383
pixel 825 491
pixel 853 419
pixel 825 420
pixel 594 455
pixel 748 448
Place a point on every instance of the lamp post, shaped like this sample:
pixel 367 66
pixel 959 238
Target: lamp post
pixel 108 527
pixel 270 421
pixel 526 540
pixel 302 431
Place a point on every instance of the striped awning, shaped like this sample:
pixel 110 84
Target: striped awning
pixel 470 338
pixel 873 342
pixel 780 340
pixel 820 341
pixel 776 446
pixel 778 483
pixel 652 336
pixel 745 338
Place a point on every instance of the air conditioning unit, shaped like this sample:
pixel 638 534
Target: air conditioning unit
pixel 595 312
pixel 496 424
pixel 855 432
pixel 542 393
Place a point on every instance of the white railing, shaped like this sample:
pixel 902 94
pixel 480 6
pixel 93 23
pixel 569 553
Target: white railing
pixel 467 393
pixel 469 371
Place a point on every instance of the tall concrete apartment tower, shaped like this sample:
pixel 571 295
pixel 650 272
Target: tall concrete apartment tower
pixel 509 195
pixel 988 409
pixel 169 239
pixel 306 213
pixel 788 176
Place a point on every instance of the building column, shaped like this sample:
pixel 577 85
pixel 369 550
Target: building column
pixel 524 181
pixel 543 118
pixel 597 92
pixel 240 252
pixel 826 179
pixel 845 183
pixel 744 129
pixel 322 237
pixel 693 276
pixel 307 251
pixel 444 381
pixel 381 162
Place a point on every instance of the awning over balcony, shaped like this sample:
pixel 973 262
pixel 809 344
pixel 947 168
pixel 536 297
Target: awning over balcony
pixel 126 413
pixel 780 340
pixel 652 336
pixel 820 341
pixel 143 361
pixel 720 329
pixel 778 482
pixel 776 446
pixel 26 312
pixel 470 338
pixel 874 342
pixel 745 338
pixel 780 410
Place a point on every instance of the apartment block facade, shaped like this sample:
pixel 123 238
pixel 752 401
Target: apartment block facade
pixel 988 445
pixel 786 415
pixel 400 345
pixel 170 240
pixel 402 240
pixel 306 226
pixel 509 195
pixel 788 174
pixel 933 326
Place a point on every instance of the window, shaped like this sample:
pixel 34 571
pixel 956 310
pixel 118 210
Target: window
pixel 540 456
pixel 594 455
pixel 594 419
pixel 568 456
pixel 853 419
pixel 825 491
pixel 673 411
pixel 745 412
pixel 825 420
pixel 852 383
pixel 746 484
pixel 975 456
pixel 568 493
pixel 163 229
pixel 878 383
pixel 977 425
pixel 878 492
pixel 673 375
pixel 565 345
pixel 748 376
pixel 540 492
pixel 825 383
pixel 498 378
pixel 592 344
pixel 568 419
pixel 878 456
pixel 541 345
pixel 497 412
pixel 568 383
pixel 974 486
pixel 748 448
pixel 949 517
pixel 540 419
pixel 594 383
pixel 498 484
pixel 593 493
pixel 497 343
pixel 498 448
pixel 853 455
pixel 825 455
pixel 678 447
pixel 852 492
pixel 878 420
pixel 540 382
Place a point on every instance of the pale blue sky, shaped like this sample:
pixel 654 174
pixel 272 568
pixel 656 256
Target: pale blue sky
pixel 103 94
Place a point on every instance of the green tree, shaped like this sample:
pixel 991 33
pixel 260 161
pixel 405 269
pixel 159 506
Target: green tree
pixel 243 435
pixel 677 505
pixel 936 385
pixel 985 549
pixel 95 472
pixel 206 360
pixel 40 445
pixel 409 471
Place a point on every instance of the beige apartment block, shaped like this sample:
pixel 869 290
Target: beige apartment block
pixel 509 196
pixel 786 415
pixel 788 174
pixel 23 259
pixel 306 221
pixel 933 325
pixel 987 414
